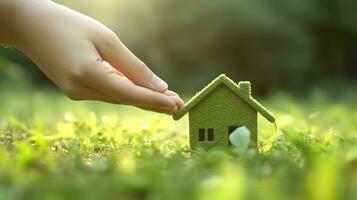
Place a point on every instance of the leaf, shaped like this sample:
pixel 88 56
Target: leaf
pixel 240 138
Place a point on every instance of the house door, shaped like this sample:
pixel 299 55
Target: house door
pixel 230 130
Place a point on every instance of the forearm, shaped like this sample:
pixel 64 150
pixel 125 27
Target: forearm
pixel 7 26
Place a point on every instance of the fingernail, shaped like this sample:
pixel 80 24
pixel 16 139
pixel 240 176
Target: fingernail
pixel 181 103
pixel 159 84
pixel 175 110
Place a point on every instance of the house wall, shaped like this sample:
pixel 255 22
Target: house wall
pixel 219 110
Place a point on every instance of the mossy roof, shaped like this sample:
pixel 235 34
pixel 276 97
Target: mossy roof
pixel 223 79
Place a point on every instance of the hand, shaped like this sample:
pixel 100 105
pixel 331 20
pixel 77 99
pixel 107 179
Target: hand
pixel 85 59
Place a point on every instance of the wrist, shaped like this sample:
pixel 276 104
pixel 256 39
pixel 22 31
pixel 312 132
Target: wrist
pixel 16 20
pixel 27 20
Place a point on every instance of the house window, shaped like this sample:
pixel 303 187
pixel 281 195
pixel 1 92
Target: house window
pixel 210 134
pixel 201 134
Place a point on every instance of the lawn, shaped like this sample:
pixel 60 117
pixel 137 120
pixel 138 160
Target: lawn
pixel 53 148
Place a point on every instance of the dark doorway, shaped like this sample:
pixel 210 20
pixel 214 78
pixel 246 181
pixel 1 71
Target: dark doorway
pixel 232 128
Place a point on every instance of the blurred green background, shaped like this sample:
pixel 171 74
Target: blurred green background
pixel 276 44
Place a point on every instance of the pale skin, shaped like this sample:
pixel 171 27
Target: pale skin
pixel 83 57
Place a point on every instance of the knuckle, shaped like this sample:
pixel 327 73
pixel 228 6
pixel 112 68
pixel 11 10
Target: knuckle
pixel 138 67
pixel 111 39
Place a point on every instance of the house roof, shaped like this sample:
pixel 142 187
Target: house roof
pixel 223 79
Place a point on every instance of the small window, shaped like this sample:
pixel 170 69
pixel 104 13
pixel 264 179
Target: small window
pixel 210 134
pixel 201 134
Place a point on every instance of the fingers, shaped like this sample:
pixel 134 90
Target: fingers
pixel 108 100
pixel 118 89
pixel 119 56
pixel 171 93
pixel 179 102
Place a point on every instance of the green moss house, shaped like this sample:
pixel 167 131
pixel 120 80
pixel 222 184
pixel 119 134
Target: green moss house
pixel 219 109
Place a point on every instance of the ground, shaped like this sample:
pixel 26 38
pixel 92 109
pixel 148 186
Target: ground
pixel 53 148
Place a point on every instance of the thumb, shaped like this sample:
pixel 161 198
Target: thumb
pixel 120 57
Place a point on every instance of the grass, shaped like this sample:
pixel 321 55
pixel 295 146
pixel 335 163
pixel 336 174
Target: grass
pixel 52 148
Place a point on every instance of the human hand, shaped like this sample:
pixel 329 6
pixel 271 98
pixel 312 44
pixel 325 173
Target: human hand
pixel 85 59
